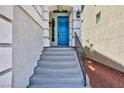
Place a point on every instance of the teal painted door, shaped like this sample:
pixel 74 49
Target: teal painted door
pixel 63 30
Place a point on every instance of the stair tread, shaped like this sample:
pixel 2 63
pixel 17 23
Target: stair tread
pixel 41 80
pixel 55 78
pixel 44 70
pixel 57 75
pixel 58 63
pixel 56 86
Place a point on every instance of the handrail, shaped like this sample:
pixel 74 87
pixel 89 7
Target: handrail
pixel 81 56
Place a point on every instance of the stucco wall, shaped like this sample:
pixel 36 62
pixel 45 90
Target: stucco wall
pixel 107 36
pixel 70 30
pixel 27 44
pixel 76 23
pixel 45 12
pixel 6 18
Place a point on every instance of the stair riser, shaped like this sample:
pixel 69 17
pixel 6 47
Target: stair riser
pixel 48 72
pixel 61 57
pixel 59 67
pixel 59 52
pixel 48 52
pixel 56 71
pixel 58 63
pixel 57 60
pixel 58 49
pixel 52 54
pixel 57 75
pixel 71 65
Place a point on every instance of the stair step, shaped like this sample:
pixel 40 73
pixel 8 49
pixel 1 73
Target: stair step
pixel 42 80
pixel 57 60
pixel 56 85
pixel 59 65
pixel 57 75
pixel 53 71
pixel 59 49
pixel 58 57
pixel 59 52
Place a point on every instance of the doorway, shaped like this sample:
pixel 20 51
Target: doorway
pixel 63 30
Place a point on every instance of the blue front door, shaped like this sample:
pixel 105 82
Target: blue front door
pixel 63 30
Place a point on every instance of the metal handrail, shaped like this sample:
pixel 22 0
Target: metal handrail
pixel 81 56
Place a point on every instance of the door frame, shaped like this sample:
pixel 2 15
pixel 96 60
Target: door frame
pixel 58 31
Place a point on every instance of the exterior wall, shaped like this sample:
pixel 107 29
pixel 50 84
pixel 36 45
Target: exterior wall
pixel 45 12
pixel 6 18
pixel 76 23
pixel 106 36
pixel 70 29
pixel 27 43
pixel 82 28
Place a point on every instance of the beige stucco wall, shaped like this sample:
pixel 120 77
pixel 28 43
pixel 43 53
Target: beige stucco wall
pixel 27 44
pixel 107 36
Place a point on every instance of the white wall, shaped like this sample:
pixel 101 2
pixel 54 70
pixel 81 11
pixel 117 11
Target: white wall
pixel 6 17
pixel 76 22
pixel 46 39
pixel 70 29
pixel 27 44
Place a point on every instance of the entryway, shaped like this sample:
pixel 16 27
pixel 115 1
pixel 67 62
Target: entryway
pixel 63 31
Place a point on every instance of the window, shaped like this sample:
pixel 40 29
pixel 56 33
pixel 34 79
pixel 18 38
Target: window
pixel 53 30
pixel 98 17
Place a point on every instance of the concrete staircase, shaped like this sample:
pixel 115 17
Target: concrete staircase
pixel 57 68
